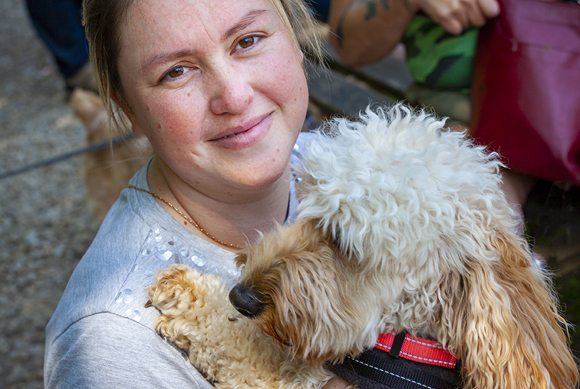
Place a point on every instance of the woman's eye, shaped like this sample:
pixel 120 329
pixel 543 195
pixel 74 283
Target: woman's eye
pixel 246 42
pixel 176 72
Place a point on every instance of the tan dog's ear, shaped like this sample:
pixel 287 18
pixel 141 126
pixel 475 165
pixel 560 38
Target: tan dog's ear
pixel 507 330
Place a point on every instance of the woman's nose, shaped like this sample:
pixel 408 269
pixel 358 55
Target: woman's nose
pixel 232 91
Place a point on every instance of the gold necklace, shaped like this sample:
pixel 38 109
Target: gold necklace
pixel 188 218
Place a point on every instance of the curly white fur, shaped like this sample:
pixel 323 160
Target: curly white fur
pixel 395 181
pixel 403 226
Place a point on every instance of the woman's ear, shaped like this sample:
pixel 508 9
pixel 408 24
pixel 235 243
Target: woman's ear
pixel 128 112
pixel 136 128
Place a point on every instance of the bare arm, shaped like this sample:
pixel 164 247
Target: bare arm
pixel 455 15
pixel 364 31
pixel 336 383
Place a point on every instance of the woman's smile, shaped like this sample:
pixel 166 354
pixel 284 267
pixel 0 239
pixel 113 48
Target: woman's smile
pixel 247 134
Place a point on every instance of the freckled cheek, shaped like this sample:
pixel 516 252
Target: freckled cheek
pixel 285 81
pixel 294 92
pixel 177 123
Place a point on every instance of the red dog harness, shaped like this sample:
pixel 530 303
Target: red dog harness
pixel 401 361
pixel 416 349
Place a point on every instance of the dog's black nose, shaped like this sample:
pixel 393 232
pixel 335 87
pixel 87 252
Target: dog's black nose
pixel 246 300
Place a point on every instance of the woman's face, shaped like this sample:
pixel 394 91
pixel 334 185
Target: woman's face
pixel 217 87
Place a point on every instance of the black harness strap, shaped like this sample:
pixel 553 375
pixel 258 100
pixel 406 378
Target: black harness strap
pixel 375 369
pixel 397 344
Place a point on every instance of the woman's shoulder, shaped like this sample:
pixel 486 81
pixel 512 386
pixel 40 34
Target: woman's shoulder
pixel 303 139
pixel 301 143
pixel 136 239
pixel 102 272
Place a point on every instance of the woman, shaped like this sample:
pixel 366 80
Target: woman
pixel 218 88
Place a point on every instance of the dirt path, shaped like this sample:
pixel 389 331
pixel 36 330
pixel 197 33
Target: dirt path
pixel 44 225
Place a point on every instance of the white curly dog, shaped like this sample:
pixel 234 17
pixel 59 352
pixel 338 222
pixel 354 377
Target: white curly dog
pixel 402 226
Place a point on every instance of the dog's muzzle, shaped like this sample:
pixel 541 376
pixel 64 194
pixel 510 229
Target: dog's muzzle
pixel 246 301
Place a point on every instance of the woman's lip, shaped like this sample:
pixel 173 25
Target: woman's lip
pixel 240 129
pixel 245 135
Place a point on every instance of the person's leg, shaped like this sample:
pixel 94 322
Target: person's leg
pixel 58 24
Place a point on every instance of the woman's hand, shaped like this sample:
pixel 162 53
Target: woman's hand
pixel 455 15
pixel 336 383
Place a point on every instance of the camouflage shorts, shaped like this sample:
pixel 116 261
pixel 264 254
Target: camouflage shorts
pixel 454 105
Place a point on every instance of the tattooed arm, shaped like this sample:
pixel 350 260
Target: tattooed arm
pixel 367 30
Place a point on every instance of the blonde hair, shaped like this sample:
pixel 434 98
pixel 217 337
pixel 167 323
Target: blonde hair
pixel 103 20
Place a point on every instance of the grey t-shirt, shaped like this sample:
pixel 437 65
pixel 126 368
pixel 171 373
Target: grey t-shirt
pixel 101 335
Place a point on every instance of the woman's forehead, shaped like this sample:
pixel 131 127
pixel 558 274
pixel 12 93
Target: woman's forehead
pixel 152 24
pixel 144 14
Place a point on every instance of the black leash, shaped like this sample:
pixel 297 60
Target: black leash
pixel 46 162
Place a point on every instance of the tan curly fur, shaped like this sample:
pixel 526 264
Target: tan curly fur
pixel 222 344
pixel 403 226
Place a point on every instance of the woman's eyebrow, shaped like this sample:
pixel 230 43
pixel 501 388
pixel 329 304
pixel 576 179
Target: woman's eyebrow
pixel 167 57
pixel 244 22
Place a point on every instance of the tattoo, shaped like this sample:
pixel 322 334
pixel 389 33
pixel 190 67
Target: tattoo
pixel 339 33
pixel 371 6
pixel 371 10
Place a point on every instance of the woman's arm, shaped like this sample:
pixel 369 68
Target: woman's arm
pixel 364 31
pixel 109 351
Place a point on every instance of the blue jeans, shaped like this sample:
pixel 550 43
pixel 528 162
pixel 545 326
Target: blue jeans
pixel 58 24
pixel 320 8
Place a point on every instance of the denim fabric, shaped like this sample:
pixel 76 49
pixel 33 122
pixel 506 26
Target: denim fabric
pixel 58 24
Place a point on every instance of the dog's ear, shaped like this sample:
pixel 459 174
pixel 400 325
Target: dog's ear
pixel 507 330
